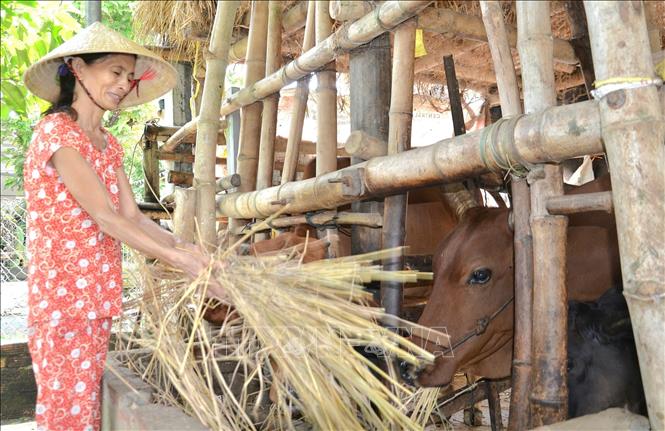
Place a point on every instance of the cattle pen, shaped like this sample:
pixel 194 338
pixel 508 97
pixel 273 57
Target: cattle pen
pixel 559 81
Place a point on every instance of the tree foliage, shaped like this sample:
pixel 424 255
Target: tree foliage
pixel 31 29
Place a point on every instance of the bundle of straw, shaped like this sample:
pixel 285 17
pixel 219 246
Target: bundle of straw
pixel 294 327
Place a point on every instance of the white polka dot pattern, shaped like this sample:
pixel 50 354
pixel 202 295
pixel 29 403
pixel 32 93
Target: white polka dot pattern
pixel 69 383
pixel 65 245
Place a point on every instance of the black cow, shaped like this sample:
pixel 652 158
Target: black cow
pixel 603 370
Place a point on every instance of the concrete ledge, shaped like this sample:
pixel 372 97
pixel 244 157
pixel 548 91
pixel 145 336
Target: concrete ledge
pixel 614 419
pixel 126 409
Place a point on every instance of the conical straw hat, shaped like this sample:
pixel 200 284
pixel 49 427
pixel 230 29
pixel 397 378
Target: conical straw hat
pixel 42 77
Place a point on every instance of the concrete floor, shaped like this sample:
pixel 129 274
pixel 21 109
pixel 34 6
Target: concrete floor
pixel 19 426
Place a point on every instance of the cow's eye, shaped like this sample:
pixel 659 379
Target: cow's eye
pixel 480 276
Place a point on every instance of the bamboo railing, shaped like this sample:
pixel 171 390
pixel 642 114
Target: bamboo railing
pixel 556 134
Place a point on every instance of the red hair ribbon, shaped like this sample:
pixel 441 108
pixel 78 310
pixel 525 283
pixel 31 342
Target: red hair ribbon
pixel 149 74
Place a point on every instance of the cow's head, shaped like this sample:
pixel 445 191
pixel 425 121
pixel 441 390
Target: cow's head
pixel 473 283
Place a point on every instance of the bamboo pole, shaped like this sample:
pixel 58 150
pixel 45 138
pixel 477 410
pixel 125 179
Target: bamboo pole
pixel 509 96
pixel 441 20
pixel 226 183
pixel 633 130
pixel 399 140
pixel 349 10
pixel 572 204
pixel 556 134
pixel 384 18
pixel 184 215
pixel 300 105
pixel 270 104
pixel 206 135
pixel 326 117
pixel 292 21
pixel 269 117
pixel 364 146
pixel 549 394
pixel 326 92
pixel 373 220
pixel 250 115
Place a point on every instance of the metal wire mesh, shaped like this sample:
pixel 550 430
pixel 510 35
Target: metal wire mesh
pixel 12 240
pixel 13 271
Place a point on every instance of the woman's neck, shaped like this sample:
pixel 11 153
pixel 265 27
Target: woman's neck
pixel 89 115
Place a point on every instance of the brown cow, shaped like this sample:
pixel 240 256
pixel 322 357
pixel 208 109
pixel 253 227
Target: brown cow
pixel 474 280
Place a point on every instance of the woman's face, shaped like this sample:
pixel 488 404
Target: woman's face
pixel 108 79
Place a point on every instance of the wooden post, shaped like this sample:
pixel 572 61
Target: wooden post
pixel 370 75
pixel 299 106
pixel 454 96
pixel 509 96
pixel 399 140
pixel 633 130
pixel 207 133
pixel 150 171
pixel 549 396
pixel 250 115
pixel 233 144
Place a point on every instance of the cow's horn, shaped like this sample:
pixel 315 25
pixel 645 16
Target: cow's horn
pixel 459 198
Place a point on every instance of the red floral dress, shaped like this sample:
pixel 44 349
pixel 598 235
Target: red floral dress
pixel 74 277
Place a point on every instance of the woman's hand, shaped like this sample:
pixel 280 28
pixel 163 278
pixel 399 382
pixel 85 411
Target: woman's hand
pixel 194 261
pixel 190 259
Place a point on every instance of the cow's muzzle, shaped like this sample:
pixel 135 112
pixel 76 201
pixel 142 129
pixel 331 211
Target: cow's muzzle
pixel 409 373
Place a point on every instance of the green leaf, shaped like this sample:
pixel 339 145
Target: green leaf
pixel 41 47
pixel 13 96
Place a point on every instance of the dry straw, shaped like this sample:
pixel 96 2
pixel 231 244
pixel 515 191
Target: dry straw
pixel 296 328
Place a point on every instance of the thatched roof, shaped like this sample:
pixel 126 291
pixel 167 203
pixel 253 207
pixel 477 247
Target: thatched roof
pixel 185 26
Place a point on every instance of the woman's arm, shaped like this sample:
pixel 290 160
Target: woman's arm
pixel 129 209
pixel 89 192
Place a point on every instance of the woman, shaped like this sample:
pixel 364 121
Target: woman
pixel 81 208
